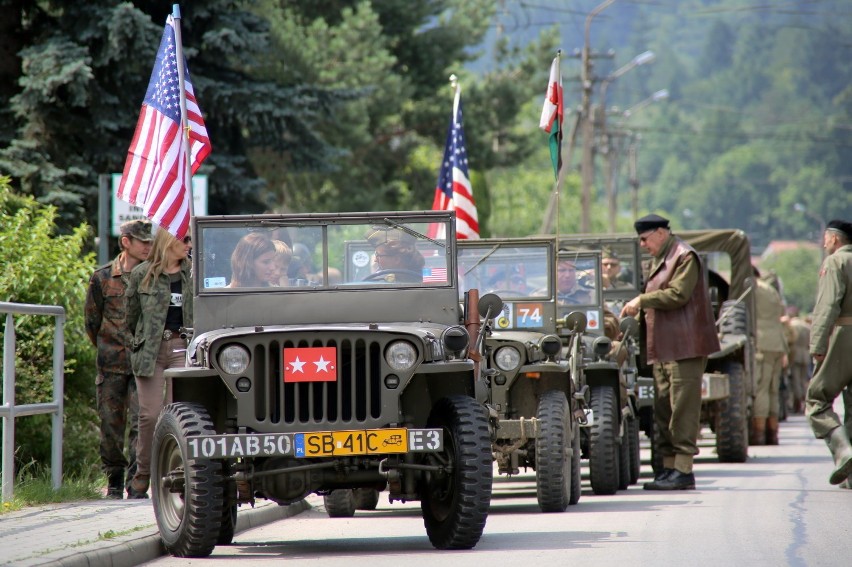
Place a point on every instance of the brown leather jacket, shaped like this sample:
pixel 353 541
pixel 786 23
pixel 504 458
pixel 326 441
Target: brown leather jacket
pixel 685 330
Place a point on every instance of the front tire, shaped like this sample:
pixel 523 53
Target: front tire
pixel 633 441
pixel 576 481
pixel 455 499
pixel 188 494
pixel 553 466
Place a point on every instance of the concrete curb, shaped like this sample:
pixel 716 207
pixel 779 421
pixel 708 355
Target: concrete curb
pixel 141 549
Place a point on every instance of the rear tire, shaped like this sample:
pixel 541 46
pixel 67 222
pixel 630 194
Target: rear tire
pixel 366 498
pixel 455 499
pixel 189 515
pixel 340 503
pixel 553 466
pixel 633 442
pixel 731 420
pixel 603 448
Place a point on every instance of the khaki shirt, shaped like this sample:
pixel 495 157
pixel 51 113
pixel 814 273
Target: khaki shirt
pixel 834 297
pixel 680 286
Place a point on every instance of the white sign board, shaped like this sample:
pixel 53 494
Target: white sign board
pixel 123 211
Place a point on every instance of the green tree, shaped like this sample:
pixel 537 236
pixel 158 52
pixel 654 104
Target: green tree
pixel 39 266
pixel 799 271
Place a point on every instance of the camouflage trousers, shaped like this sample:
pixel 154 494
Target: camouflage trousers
pixel 118 409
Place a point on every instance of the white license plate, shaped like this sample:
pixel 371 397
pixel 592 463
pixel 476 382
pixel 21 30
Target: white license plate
pixel 243 445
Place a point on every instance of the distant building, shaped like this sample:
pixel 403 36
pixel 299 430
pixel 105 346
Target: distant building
pixel 778 246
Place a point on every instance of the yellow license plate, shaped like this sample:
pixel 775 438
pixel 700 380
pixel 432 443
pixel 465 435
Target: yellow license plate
pixel 357 442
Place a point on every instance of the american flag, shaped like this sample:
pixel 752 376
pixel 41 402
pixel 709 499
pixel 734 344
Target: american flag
pixel 434 275
pixel 154 175
pixel 454 192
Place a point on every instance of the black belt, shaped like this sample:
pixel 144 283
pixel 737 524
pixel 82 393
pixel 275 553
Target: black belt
pixel 169 334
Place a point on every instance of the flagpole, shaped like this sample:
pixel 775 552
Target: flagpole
pixel 454 83
pixel 183 127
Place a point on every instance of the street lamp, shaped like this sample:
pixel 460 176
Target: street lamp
pixel 608 148
pixel 662 94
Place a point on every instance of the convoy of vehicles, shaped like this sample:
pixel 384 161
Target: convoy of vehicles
pixel 353 379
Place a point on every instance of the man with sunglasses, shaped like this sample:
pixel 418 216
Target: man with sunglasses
pixel 679 334
pixel 105 309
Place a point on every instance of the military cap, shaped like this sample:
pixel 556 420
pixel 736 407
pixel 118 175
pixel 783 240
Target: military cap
pixel 383 234
pixel 140 229
pixel 840 226
pixel 650 222
pixel 608 252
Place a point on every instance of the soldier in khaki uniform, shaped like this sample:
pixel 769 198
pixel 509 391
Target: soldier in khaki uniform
pixel 771 357
pixel 106 327
pixel 800 358
pixel 679 335
pixel 831 346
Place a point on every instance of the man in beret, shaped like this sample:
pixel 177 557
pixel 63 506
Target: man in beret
pixel 679 334
pixel 831 346
pixel 105 310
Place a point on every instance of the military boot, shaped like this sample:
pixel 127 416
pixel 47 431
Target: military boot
pixel 771 430
pixel 115 485
pixel 757 435
pixel 841 450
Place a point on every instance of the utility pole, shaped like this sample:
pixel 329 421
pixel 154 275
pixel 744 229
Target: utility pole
pixel 634 177
pixel 587 164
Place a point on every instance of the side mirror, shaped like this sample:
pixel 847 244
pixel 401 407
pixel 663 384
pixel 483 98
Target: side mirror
pixel 490 305
pixel 575 322
pixel 629 326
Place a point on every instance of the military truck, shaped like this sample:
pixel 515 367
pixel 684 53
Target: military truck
pixel 728 381
pixel 531 394
pixel 351 378
pixel 609 432
pixel 728 387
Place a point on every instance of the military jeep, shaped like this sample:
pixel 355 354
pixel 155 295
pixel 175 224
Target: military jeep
pixel 352 379
pixel 531 393
pixel 605 387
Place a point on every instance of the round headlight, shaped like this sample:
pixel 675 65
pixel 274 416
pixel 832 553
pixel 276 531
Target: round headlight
pixel 400 355
pixel 234 359
pixel 455 339
pixel 550 345
pixel 507 358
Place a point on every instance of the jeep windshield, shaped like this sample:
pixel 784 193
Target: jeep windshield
pixel 274 253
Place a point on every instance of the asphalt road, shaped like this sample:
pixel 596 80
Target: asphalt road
pixel 776 509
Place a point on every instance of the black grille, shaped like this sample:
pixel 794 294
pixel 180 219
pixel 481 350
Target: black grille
pixel 353 399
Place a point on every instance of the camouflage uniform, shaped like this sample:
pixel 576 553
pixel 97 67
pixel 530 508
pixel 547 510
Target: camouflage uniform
pixel 148 344
pixel 105 311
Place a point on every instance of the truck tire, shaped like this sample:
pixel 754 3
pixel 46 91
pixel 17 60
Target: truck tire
pixel 366 498
pixel 576 480
pixel 736 320
pixel 731 419
pixel 603 445
pixel 340 503
pixel 455 499
pixel 553 465
pixel 624 461
pixel 633 441
pixel 188 493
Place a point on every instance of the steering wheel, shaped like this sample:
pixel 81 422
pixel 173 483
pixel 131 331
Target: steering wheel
pixel 408 275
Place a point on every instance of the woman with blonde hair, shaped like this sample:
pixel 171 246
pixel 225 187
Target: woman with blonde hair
pixel 159 304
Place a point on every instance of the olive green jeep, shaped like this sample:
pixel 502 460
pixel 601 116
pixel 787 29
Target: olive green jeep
pixel 346 373
pixel 531 394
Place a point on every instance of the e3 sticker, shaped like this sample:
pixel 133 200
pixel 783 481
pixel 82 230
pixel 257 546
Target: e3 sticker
pixel 360 259
pixel 504 321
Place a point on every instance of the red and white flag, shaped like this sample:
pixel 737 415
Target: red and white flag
pixel 310 364
pixel 154 175
pixel 454 191
pixel 552 114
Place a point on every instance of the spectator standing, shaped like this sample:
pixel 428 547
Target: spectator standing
pixel 771 358
pixel 159 305
pixel 831 346
pixel 800 359
pixel 679 334
pixel 106 325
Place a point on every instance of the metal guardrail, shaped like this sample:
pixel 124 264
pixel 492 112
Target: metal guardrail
pixel 9 410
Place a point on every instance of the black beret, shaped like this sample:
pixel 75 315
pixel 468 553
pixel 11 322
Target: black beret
pixel 650 222
pixel 840 226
